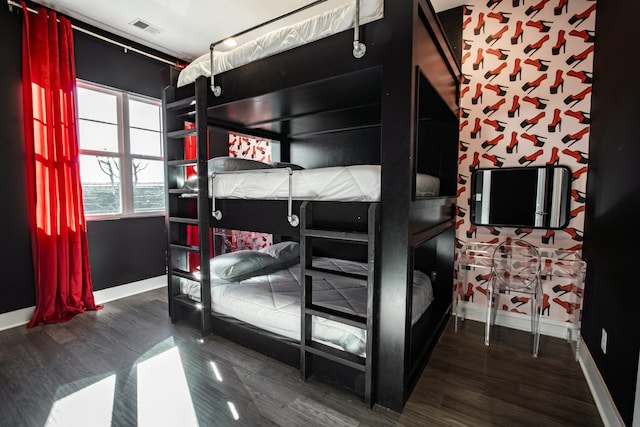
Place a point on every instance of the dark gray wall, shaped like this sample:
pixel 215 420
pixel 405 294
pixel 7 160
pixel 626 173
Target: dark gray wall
pixel 613 199
pixel 120 251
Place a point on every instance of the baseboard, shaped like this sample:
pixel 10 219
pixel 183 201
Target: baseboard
pixel 548 327
pixel 22 316
pixel 608 411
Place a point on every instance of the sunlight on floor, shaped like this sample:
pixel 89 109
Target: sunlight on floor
pixel 163 394
pixel 92 405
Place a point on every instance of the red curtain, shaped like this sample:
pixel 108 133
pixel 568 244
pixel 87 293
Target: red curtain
pixel 58 227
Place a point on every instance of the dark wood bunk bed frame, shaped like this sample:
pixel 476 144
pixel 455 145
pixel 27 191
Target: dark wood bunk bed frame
pixel 404 93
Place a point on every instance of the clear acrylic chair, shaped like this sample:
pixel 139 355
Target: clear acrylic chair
pixel 515 266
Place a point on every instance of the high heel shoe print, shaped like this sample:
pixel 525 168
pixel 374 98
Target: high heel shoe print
pixel 535 139
pixel 463 124
pixel 493 3
pixel 539 103
pixel 523 232
pixel 582 117
pixel 497 125
pixel 497 161
pixel 586 35
pixel 472 231
pixel 501 54
pixel 475 162
pixel 517 71
pixel 554 160
pixel 538 63
pixel 562 4
pixel 493 38
pixel 501 17
pixel 515 107
pixel 498 89
pixel 580 156
pixel 492 74
pixel 572 138
pixel 534 84
pixel 576 59
pixel 568 306
pixel 530 158
pixel 477 97
pixel 546 305
pixel 557 84
pixel 535 9
pixel 549 236
pixel 579 18
pixel 477 129
pixel 527 124
pixel 577 174
pixel 468 295
pixel 584 76
pixel 480 25
pixel 573 100
pixel 492 230
pixel 464 113
pixel 518 34
pixel 579 196
pixel 479 59
pixel 513 144
pixel 574 233
pixel 463 146
pixel 462 179
pixel 577 211
pixel 541 26
pixel 556 122
pixel 534 47
pixel 491 109
pixel 561 43
pixel 492 143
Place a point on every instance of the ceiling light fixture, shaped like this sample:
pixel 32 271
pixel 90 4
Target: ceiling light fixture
pixel 230 42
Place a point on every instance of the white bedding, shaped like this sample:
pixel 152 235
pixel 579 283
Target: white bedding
pixel 338 183
pixel 315 28
pixel 272 302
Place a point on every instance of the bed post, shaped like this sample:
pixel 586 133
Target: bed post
pixel 398 110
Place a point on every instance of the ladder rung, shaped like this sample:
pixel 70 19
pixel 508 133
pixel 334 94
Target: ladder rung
pixel 182 162
pixel 342 357
pixel 323 273
pixel 177 134
pixel 183 103
pixel 185 274
pixel 188 302
pixel 190 221
pixel 351 236
pixel 184 192
pixel 336 315
pixel 188 248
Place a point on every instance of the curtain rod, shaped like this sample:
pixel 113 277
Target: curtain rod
pixel 126 48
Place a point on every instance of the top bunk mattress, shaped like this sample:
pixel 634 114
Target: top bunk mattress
pixel 356 183
pixel 285 38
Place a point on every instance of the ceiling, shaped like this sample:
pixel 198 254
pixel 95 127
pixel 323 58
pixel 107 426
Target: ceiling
pixel 185 28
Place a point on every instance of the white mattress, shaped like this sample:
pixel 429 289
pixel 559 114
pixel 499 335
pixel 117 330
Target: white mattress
pixel 272 302
pixel 338 183
pixel 315 28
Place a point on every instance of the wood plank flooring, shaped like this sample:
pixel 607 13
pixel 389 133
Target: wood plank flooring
pixel 128 365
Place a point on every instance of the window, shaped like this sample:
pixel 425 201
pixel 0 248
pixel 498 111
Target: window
pixel 121 163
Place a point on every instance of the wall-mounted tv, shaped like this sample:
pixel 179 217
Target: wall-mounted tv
pixel 530 197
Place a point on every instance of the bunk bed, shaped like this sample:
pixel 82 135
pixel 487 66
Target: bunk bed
pixel 325 104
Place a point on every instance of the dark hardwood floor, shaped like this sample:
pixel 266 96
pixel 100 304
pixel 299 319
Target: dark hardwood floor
pixel 128 365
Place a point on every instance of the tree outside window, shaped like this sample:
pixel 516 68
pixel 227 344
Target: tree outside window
pixel 121 163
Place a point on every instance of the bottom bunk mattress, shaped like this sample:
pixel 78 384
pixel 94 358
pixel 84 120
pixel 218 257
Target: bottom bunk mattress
pixel 272 302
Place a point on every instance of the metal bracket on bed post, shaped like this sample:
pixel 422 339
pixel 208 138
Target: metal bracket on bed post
pixel 217 214
pixel 359 49
pixel 217 90
pixel 293 219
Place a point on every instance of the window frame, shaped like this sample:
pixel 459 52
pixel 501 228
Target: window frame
pixel 124 154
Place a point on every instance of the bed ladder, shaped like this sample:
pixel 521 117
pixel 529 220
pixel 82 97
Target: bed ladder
pixel 187 208
pixel 308 347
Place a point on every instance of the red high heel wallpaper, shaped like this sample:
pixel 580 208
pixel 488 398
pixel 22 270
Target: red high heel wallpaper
pixel 527 78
